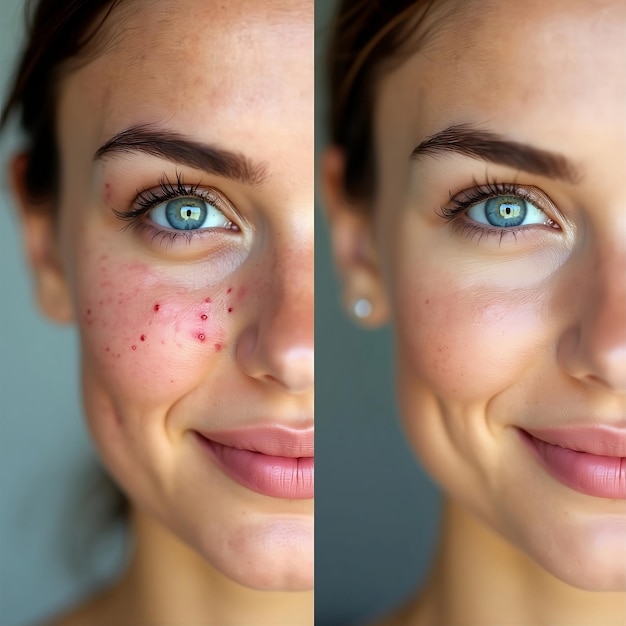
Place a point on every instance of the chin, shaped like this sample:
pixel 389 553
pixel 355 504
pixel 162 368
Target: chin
pixel 267 555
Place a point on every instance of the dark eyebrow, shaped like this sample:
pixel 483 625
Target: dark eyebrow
pixel 184 151
pixel 489 146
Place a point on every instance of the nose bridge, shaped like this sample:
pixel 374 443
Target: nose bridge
pixel 278 343
pixel 599 353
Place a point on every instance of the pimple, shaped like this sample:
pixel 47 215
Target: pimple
pixel 156 308
pixel 203 316
pixel 108 192
pixel 218 347
pixel 134 347
pixel 207 300
pixel 229 290
pixel 230 309
pixel 201 336
pixel 143 337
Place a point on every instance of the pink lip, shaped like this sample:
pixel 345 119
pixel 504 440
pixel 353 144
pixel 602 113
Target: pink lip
pixel 587 459
pixel 276 462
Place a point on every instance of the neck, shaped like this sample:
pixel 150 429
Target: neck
pixel 168 583
pixel 480 578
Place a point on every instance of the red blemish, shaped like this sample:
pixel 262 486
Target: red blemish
pixel 108 349
pixel 203 316
pixel 207 300
pixel 201 337
pixel 229 290
pixel 134 347
pixel 427 301
pixel 101 302
pixel 107 192
pixel 218 347
pixel 143 337
pixel 230 309
pixel 157 307
pixel 88 311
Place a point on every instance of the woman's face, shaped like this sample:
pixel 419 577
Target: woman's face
pixel 196 314
pixel 510 316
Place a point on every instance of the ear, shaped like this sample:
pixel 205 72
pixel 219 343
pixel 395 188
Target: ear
pixel 41 243
pixel 352 235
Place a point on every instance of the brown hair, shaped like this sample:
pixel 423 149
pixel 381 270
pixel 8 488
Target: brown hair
pixel 367 36
pixel 57 31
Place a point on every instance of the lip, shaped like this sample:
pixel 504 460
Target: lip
pixel 273 461
pixel 590 460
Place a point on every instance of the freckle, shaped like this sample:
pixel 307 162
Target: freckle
pixel 230 309
pixel 143 337
pixel 218 347
pixel 203 316
pixel 207 300
pixel 162 342
pixel 108 349
pixel 201 337
pixel 134 347
pixel 157 307
pixel 229 290
pixel 427 301
pixel 88 311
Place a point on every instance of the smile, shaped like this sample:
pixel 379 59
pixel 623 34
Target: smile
pixel 589 460
pixel 275 462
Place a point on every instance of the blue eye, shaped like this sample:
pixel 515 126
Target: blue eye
pixel 188 213
pixel 506 212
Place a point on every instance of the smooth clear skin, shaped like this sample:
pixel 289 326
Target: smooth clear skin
pixel 205 331
pixel 499 332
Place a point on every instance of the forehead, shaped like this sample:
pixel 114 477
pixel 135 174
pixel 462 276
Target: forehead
pixel 200 58
pixel 523 65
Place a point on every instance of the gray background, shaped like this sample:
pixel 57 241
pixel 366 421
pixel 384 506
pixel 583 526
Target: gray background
pixel 375 510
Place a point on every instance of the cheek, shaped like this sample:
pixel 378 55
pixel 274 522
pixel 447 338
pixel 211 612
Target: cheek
pixel 145 335
pixel 465 341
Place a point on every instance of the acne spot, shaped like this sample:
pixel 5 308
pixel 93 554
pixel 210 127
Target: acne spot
pixel 107 192
pixel 218 347
pixel 134 347
pixel 201 337
pixel 88 311
pixel 230 309
pixel 427 301
pixel 229 290
pixel 108 349
pixel 207 300
pixel 203 316
pixel 156 308
pixel 143 337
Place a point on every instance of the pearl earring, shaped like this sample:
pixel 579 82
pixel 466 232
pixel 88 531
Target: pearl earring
pixel 362 308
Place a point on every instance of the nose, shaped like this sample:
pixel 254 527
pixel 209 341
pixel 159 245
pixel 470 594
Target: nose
pixel 594 348
pixel 276 346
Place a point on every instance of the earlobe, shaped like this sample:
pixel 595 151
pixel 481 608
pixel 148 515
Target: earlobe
pixel 39 233
pixel 356 256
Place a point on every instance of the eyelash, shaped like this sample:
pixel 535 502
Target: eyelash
pixel 460 203
pixel 147 199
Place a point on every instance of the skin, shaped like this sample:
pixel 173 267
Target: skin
pixel 180 335
pixel 541 313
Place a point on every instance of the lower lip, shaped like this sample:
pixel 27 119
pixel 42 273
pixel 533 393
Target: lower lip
pixel 275 476
pixel 591 474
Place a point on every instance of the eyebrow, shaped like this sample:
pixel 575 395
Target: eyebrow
pixel 184 151
pixel 488 146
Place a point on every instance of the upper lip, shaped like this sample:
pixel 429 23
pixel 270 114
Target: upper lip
pixel 271 440
pixel 597 439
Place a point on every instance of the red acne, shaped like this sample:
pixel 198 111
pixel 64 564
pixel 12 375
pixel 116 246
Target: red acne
pixel 207 300
pixel 218 347
pixel 134 347
pixel 108 349
pixel 229 290
pixel 203 316
pixel 230 309
pixel 201 337
pixel 157 307
pixel 143 337
pixel 88 311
